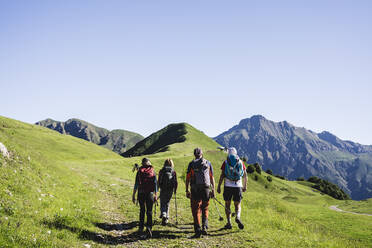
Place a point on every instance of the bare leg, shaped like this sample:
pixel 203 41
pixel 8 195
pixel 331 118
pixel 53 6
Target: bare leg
pixel 238 209
pixel 228 211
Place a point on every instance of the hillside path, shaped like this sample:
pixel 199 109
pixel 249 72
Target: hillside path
pixel 335 208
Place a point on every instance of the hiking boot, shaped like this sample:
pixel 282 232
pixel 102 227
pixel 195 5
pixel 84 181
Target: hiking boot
pixel 197 231
pixel 149 232
pixel 164 221
pixel 240 224
pixel 197 234
pixel 140 230
pixel 228 226
pixel 204 230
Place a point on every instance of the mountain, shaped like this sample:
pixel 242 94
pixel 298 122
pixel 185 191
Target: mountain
pixel 297 152
pixel 174 137
pixel 116 140
pixel 61 191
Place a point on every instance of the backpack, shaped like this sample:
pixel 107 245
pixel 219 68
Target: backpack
pixel 146 179
pixel 167 178
pixel 234 168
pixel 201 169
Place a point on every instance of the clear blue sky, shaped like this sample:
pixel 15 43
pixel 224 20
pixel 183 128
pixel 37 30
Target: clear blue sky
pixel 140 65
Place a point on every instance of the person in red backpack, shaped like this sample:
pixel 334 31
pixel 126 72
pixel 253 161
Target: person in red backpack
pixel 146 185
pixel 200 177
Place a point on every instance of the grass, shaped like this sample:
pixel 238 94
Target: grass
pixel 60 191
pixel 364 206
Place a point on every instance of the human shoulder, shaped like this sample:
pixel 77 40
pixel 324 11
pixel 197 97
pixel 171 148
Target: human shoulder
pixel 207 161
pixel 223 165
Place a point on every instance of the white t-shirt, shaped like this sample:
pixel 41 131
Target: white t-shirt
pixel 230 183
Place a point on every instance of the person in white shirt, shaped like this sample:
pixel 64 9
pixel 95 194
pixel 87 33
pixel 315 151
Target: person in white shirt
pixel 232 171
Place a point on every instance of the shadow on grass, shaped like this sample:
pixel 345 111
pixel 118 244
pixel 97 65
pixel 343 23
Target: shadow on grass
pixel 117 227
pixel 116 236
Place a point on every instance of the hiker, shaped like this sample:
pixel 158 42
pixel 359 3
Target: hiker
pixel 168 184
pixel 232 171
pixel 200 177
pixel 146 185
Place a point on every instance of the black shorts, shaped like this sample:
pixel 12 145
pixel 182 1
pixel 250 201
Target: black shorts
pixel 232 192
pixel 200 193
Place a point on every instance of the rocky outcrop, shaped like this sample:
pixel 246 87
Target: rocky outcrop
pixel 4 151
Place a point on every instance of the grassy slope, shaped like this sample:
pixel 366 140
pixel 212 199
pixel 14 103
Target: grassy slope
pixel 364 206
pixel 81 194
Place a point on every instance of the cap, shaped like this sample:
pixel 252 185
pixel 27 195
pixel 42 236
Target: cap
pixel 232 150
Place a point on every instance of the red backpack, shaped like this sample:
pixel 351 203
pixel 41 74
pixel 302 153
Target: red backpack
pixel 146 179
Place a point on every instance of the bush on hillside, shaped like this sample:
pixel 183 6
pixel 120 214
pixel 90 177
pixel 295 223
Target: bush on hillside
pixel 250 169
pixel 314 179
pixel 255 177
pixel 300 179
pixel 257 167
pixel 270 172
pixel 269 178
pixel 281 177
pixel 329 188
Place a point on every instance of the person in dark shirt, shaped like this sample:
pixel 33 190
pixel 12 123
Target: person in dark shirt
pixel 168 184
pixel 200 177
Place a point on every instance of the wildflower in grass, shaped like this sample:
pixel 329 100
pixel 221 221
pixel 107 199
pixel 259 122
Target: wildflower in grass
pixel 49 232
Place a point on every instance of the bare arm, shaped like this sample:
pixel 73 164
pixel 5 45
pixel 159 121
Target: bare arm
pixel 213 184
pixel 245 179
pixel 222 177
pixel 188 195
pixel 135 189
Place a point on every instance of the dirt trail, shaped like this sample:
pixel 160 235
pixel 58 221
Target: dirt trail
pixel 335 208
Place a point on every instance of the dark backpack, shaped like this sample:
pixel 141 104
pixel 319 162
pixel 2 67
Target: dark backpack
pixel 201 169
pixel 167 178
pixel 146 179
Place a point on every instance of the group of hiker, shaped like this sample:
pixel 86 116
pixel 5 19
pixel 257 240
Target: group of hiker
pixel 200 188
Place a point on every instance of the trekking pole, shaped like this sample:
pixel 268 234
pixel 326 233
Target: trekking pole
pixel 175 203
pixel 155 212
pixel 228 210
pixel 218 211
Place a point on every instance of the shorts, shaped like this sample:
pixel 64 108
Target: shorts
pixel 232 192
pixel 200 193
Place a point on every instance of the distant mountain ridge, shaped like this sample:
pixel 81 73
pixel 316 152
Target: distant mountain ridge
pixel 116 140
pixel 297 152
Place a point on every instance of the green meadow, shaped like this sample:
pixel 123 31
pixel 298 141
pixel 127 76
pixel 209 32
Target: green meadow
pixel 61 191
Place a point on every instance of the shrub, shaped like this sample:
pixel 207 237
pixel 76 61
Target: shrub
pixel 329 188
pixel 250 169
pixel 314 179
pixel 300 179
pixel 270 172
pixel 257 167
pixel 281 177
pixel 269 178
